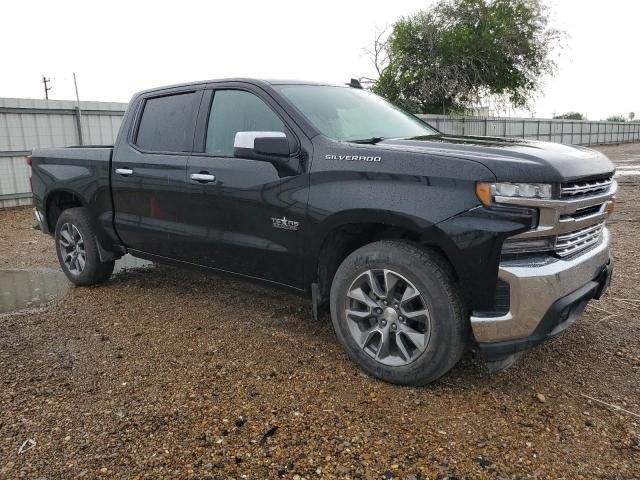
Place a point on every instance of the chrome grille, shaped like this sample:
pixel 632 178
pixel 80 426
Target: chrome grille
pixel 578 240
pixel 586 187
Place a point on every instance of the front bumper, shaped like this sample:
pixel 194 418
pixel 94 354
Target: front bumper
pixel 547 295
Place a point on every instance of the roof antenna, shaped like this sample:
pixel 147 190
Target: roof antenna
pixel 354 83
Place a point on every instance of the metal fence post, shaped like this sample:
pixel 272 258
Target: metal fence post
pixel 572 127
pixel 523 127
pixel 628 132
pixel 485 126
pixel 562 131
pixel 79 125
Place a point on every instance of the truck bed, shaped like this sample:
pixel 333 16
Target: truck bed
pixel 84 154
pixel 79 175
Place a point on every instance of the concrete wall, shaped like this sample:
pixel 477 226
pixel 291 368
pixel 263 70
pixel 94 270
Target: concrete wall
pixel 29 123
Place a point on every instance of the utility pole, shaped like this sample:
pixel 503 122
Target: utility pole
pixel 46 81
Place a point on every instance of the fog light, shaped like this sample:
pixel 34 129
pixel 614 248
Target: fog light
pixel 529 245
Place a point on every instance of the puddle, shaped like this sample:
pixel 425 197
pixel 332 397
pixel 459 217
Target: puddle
pixel 128 262
pixel 29 288
pixel 628 169
pixel 628 173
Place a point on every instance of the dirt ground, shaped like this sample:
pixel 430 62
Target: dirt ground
pixel 163 373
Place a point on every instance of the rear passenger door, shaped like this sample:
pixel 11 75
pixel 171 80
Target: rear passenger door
pixel 149 170
pixel 231 222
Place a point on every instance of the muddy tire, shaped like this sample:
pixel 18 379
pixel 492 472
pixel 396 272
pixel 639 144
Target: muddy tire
pixel 398 312
pixel 77 248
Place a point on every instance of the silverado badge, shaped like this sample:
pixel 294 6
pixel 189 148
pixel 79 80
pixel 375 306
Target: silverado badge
pixel 352 158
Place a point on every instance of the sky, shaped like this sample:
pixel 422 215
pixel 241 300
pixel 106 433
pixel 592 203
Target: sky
pixel 119 47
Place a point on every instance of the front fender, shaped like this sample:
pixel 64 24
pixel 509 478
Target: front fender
pixel 472 242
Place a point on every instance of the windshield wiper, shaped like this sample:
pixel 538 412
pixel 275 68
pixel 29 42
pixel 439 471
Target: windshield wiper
pixel 371 141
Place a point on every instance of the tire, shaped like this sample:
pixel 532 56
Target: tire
pixel 422 331
pixel 76 239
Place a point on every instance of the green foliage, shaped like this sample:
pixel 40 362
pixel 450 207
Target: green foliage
pixel 570 116
pixel 459 51
pixel 616 118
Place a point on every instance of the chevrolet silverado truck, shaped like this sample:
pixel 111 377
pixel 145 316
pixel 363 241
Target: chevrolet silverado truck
pixel 421 245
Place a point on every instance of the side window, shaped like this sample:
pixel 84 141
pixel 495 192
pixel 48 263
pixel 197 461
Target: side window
pixel 234 111
pixel 167 123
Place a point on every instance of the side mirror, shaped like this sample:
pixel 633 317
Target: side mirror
pixel 266 146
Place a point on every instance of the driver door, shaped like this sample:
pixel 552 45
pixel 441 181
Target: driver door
pixel 234 210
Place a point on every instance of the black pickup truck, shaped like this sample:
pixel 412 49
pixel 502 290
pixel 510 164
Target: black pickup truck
pixel 420 244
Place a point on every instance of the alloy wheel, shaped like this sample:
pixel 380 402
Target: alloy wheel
pixel 72 249
pixel 387 317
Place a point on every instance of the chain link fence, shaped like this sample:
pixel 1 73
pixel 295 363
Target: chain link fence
pixel 570 132
pixel 29 123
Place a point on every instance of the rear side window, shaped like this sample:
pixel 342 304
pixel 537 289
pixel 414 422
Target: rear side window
pixel 167 123
pixel 234 111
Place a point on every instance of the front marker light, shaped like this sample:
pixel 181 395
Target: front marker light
pixel 486 192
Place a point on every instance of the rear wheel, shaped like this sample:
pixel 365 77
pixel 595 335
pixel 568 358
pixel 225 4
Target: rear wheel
pixel 77 248
pixel 398 313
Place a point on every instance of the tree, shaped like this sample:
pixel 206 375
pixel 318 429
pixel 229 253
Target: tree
pixel 570 116
pixel 632 115
pixel 617 118
pixel 460 51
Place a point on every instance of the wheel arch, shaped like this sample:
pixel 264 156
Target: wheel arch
pixel 343 233
pixel 56 202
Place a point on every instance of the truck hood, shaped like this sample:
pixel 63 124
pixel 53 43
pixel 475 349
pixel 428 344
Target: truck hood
pixel 513 160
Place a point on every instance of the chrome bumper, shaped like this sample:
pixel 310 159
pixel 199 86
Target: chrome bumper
pixel 535 285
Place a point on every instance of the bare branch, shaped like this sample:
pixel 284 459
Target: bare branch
pixel 379 52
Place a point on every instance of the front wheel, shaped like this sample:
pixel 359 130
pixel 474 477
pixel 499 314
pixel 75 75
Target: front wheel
pixel 77 249
pixel 397 312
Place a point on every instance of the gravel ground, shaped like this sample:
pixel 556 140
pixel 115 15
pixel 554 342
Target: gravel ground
pixel 21 246
pixel 163 373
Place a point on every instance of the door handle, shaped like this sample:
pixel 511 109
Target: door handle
pixel 124 171
pixel 203 177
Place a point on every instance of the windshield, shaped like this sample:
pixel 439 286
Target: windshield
pixel 351 114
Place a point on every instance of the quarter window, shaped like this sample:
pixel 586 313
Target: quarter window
pixel 234 111
pixel 167 123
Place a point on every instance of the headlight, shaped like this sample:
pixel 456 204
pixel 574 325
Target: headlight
pixel 488 191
